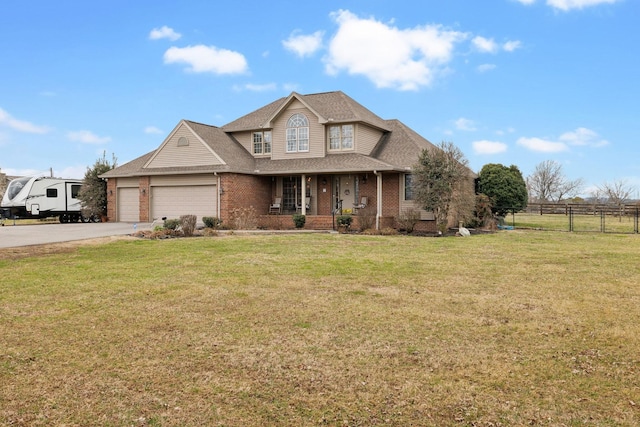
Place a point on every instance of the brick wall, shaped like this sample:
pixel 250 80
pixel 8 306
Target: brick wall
pixel 111 198
pixel 244 191
pixel 144 199
pixel 390 194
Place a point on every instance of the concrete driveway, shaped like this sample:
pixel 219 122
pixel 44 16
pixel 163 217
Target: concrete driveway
pixel 25 235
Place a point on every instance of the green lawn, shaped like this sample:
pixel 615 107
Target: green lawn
pixel 504 329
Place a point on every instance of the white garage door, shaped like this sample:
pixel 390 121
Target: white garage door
pixel 128 205
pixel 174 201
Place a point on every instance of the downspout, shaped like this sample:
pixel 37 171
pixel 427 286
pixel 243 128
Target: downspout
pixel 378 198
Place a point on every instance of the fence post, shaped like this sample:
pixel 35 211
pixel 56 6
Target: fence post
pixel 635 222
pixel 570 218
pixel 602 215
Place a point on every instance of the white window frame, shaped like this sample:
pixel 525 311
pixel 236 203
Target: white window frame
pixel 297 134
pixel 341 137
pixel 261 142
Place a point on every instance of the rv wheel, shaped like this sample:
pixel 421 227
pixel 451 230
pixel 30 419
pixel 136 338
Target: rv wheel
pixel 64 218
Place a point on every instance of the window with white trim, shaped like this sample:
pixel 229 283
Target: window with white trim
pixel 341 137
pixel 262 142
pixel 297 133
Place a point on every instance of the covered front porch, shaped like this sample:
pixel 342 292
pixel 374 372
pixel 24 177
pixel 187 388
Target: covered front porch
pixel 322 197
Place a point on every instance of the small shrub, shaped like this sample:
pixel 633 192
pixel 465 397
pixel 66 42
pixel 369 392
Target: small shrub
pixel 171 224
pixel 344 220
pixel 211 222
pixel 408 219
pixel 366 219
pixel 188 224
pixel 299 220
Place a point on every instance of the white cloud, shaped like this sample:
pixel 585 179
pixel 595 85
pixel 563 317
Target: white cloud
pixel 87 137
pixel 489 147
pixel 152 130
pixel 583 137
pixel 252 87
pixel 207 59
pixel 512 45
pixel 485 45
pixel 304 45
pixel 483 68
pixel 404 59
pixel 164 32
pixel 542 145
pixel 465 124
pixel 20 125
pixel 566 5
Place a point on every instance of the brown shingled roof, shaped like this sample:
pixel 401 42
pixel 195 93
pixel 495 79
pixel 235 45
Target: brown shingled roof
pixel 402 146
pixel 331 106
pixel 398 149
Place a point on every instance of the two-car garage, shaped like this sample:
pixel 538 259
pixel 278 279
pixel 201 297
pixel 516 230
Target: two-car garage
pixel 170 196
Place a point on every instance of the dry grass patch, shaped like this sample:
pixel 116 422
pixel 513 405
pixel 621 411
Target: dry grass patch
pixel 512 328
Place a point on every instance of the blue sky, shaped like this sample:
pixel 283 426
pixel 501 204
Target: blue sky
pixel 515 82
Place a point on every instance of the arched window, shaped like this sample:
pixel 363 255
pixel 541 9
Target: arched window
pixel 297 133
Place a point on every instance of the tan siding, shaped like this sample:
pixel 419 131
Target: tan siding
pixel 177 180
pixel 245 139
pixel 279 135
pixel 194 154
pixel 406 205
pixel 127 182
pixel 366 138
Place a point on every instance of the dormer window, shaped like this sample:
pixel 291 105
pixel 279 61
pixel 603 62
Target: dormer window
pixel 297 133
pixel 262 142
pixel 341 137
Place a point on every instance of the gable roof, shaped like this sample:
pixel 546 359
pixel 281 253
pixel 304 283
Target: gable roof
pixel 334 107
pixel 401 146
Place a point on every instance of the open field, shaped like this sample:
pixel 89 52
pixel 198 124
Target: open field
pixel 511 328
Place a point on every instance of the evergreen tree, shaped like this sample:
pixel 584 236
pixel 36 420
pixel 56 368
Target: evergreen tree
pixel 505 186
pixel 93 193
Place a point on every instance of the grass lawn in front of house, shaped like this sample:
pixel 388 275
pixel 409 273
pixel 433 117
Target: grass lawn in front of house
pixel 511 328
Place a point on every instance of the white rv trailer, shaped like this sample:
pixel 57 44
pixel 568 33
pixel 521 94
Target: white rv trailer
pixel 42 197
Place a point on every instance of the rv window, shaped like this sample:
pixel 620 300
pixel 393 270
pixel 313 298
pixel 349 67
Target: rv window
pixel 52 192
pixel 75 189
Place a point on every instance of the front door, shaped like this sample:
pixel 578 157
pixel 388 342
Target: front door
pixel 345 192
pixel 291 192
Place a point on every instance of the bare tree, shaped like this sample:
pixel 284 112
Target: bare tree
pixel 617 192
pixel 443 184
pixel 548 183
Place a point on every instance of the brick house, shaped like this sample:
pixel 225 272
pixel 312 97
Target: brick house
pixel 320 155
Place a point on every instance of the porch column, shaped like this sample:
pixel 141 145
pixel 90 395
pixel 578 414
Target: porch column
pixel 378 198
pixel 303 209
